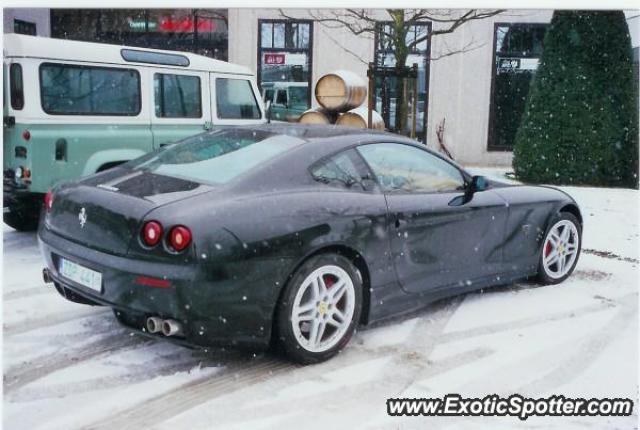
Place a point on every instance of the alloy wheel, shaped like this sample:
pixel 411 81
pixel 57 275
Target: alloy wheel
pixel 560 249
pixel 323 308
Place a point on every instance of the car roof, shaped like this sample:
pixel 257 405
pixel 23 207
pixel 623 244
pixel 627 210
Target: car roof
pixel 314 133
pixel 315 143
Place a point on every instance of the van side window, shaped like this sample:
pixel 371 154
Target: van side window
pixel 281 99
pixel 17 93
pixel 268 95
pixel 177 96
pixel 235 99
pixel 86 90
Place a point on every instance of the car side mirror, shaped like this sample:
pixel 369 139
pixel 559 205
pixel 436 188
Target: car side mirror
pixel 267 111
pixel 478 183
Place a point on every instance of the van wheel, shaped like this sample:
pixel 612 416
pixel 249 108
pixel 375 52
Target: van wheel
pixel 21 221
pixel 319 309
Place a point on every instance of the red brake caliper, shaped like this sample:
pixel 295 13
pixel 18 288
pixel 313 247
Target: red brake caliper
pixel 328 281
pixel 547 249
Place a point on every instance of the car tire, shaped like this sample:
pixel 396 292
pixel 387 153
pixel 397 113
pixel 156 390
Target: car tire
pixel 559 254
pixel 319 309
pixel 21 221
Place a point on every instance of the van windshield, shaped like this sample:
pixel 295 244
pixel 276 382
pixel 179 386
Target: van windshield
pixel 216 157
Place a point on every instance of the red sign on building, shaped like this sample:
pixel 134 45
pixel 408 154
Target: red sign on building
pixel 274 59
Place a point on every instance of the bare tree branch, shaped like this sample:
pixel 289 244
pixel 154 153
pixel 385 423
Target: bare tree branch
pixel 468 47
pixel 471 15
pixel 351 20
pixel 212 14
pixel 345 49
pixel 392 34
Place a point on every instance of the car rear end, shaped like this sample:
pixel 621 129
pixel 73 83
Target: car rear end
pixel 146 239
pixel 99 248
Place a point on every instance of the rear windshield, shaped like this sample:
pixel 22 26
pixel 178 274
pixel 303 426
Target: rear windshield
pixel 216 157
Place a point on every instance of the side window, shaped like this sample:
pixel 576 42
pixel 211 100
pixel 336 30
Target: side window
pixel 235 99
pixel 177 96
pixel 404 168
pixel 339 171
pixel 16 84
pixel 268 95
pixel 282 97
pixel 86 90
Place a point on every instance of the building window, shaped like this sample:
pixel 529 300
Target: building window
pixel 203 31
pixel 385 86
pixel 177 96
pixel 235 99
pixel 80 90
pixel 284 66
pixel 517 50
pixel 24 27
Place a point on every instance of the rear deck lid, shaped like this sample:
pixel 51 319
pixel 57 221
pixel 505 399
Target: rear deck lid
pixel 105 212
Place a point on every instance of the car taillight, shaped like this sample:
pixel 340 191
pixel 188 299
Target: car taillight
pixel 152 233
pixel 26 135
pixel 48 200
pixel 179 237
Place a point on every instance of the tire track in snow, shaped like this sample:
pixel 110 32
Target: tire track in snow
pixel 455 336
pixel 24 240
pixel 586 352
pixel 181 399
pixel 23 292
pixel 135 374
pixel 19 376
pixel 610 255
pixel 194 393
pixel 361 400
pixel 49 320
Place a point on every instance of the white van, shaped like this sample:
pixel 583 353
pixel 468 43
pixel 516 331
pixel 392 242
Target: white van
pixel 75 108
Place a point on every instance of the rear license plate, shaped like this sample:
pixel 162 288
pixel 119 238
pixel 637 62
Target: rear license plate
pixel 80 274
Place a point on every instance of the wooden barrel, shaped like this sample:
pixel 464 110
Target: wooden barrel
pixel 317 116
pixel 341 91
pixel 358 118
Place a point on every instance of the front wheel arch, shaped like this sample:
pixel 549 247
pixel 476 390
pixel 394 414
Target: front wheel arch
pixel 573 210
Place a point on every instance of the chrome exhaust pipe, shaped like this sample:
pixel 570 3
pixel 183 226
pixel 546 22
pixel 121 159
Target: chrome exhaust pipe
pixel 46 276
pixel 154 324
pixel 171 328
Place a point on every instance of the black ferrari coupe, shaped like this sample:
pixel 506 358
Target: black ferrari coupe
pixel 294 235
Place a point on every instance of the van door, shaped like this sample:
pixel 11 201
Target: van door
pixel 235 100
pixel 180 105
pixel 280 105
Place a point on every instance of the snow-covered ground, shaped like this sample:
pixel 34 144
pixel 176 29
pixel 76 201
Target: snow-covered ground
pixel 70 366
